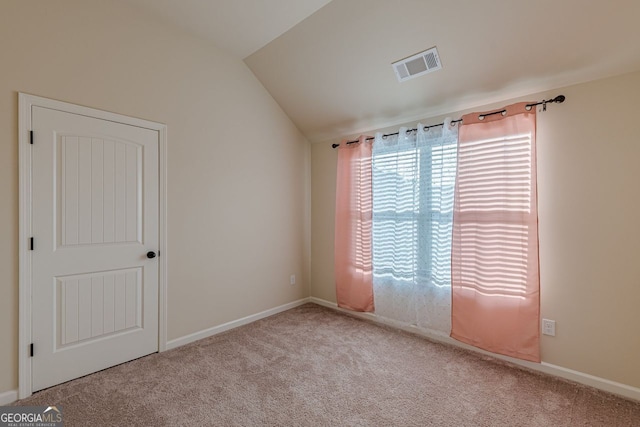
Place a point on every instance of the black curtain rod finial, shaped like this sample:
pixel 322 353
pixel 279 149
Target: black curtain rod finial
pixel 335 145
pixel 558 99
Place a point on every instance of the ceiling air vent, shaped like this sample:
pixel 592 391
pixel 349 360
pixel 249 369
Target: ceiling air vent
pixel 417 65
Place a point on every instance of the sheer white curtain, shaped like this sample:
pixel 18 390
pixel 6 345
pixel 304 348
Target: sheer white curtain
pixel 413 185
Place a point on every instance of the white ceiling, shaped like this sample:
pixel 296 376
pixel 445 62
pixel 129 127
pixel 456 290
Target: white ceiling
pixel 238 26
pixel 331 72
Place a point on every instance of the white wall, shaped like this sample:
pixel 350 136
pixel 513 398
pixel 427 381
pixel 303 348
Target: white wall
pixel 238 169
pixel 589 225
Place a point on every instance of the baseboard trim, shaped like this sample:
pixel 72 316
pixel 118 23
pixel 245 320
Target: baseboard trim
pixel 11 396
pixel 591 380
pixel 178 342
pixel 604 384
pixel 8 397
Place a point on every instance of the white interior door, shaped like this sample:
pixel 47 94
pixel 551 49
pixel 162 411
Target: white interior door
pixel 94 219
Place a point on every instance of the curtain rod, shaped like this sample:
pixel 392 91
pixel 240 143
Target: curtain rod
pixel 558 99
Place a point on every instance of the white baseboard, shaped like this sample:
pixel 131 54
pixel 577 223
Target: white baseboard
pixel 11 396
pixel 624 390
pixel 591 380
pixel 8 397
pixel 620 389
pixel 233 324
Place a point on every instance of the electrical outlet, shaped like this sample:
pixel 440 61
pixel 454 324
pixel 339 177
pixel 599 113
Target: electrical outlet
pixel 549 327
pixel 292 280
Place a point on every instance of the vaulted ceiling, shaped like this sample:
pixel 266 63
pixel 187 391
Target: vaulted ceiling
pixel 327 63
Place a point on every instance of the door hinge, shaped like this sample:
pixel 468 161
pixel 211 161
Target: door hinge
pixel 31 350
pixel 31 244
pixel 31 137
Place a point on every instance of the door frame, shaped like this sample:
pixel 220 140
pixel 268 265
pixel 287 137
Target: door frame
pixel 25 104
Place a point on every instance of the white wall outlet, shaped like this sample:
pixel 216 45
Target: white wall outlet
pixel 292 280
pixel 549 327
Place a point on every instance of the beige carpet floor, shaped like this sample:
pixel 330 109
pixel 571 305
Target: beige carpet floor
pixel 312 366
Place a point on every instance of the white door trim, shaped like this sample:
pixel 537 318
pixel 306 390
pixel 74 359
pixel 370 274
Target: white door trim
pixel 25 104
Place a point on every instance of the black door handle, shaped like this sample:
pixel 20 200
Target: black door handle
pixel 151 254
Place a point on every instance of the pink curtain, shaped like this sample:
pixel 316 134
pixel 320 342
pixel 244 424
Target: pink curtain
pixel 494 263
pixel 354 278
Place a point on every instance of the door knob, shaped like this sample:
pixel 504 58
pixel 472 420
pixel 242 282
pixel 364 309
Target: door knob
pixel 151 254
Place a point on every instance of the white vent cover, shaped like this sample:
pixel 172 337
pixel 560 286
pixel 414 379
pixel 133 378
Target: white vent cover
pixel 417 65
